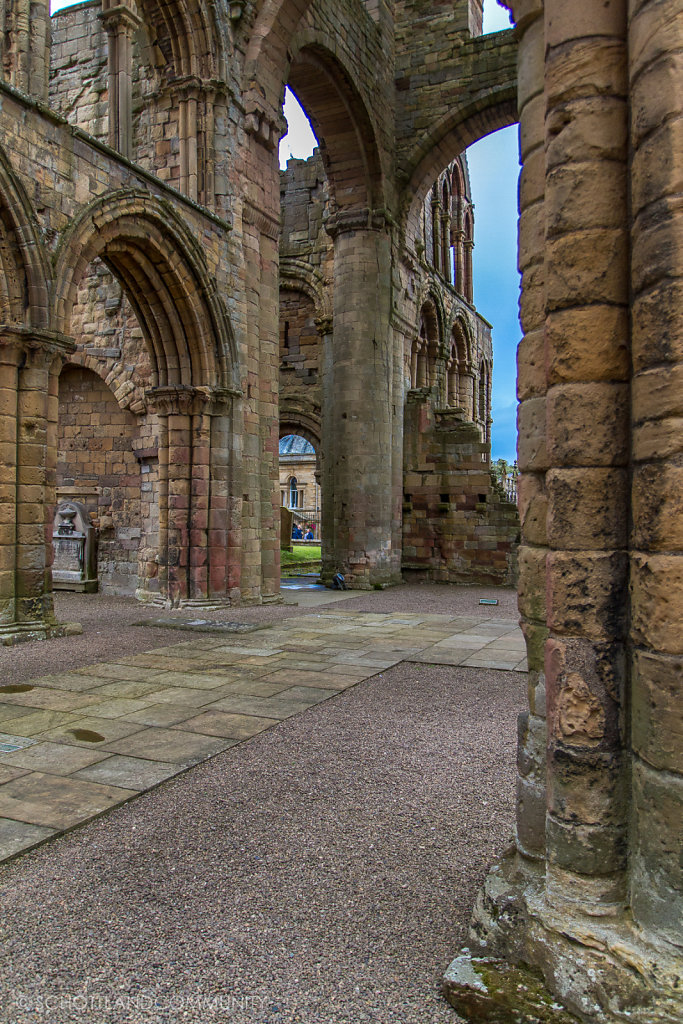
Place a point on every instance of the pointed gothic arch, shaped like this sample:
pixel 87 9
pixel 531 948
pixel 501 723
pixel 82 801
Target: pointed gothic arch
pixel 339 114
pixel 24 267
pixel 164 274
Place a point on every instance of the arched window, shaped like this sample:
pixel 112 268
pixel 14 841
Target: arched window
pixel 456 377
pixel 418 363
pixel 458 205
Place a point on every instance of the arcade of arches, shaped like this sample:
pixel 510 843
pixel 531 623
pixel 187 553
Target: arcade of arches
pixel 456 526
pixel 140 232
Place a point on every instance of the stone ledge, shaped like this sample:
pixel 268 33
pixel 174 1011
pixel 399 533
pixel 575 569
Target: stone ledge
pixel 484 989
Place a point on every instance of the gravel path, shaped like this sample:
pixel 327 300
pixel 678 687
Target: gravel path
pixel 322 872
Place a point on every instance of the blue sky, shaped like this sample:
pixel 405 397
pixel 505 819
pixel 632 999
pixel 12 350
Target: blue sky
pixel 494 170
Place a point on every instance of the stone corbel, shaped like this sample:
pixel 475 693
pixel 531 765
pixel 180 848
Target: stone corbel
pixel 237 9
pixel 219 400
pixel 185 400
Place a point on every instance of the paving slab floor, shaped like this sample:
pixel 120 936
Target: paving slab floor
pixel 321 866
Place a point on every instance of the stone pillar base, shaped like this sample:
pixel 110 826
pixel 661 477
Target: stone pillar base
pixel 22 632
pixel 603 969
pixel 207 603
pixel 375 579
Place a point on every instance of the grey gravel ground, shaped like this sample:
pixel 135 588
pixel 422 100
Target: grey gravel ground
pixel 322 872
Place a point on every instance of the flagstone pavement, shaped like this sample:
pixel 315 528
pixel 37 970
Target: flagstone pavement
pixel 75 744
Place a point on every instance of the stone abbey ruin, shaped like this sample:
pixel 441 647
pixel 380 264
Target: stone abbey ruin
pixel 149 267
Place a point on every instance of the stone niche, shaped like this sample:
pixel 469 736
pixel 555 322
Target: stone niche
pixel 75 556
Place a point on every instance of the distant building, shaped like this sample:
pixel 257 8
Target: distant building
pixel 299 486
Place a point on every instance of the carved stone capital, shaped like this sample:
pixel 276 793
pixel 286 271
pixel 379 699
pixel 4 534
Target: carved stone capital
pixel 364 219
pixel 185 400
pixel 119 15
pixel 37 344
pixel 219 400
pixel 323 324
pixel 176 400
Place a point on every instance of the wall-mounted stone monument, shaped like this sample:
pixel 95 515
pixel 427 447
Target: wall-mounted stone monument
pixel 73 538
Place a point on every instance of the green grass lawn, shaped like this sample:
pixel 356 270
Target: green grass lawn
pixel 298 555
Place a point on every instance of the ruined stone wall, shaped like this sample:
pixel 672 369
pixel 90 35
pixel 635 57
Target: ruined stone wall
pixel 80 88
pixel 79 68
pixel 187 156
pixel 160 257
pixel 299 347
pixel 457 526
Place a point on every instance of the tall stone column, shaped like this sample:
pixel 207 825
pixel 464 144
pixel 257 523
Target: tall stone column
pixel 467 396
pixel 437 238
pixel 120 18
pixel 329 552
pixel 446 251
pixel 260 236
pixel 600 915
pixel 187 125
pixel 29 363
pixel 656 75
pixel 11 359
pixel 363 374
pixel 532 454
pixel 468 291
pixel 224 497
pixel 175 445
pixel 458 242
pixel 588 451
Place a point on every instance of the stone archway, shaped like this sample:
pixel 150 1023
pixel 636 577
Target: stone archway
pixel 190 401
pixel 31 355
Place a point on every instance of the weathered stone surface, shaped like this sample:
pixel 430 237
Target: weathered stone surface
pixel 589 343
pixel 657 872
pixel 482 989
pixel 657 602
pixel 588 424
pixel 658 506
pixel 601 494
pixel 656 710
pixel 587 594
